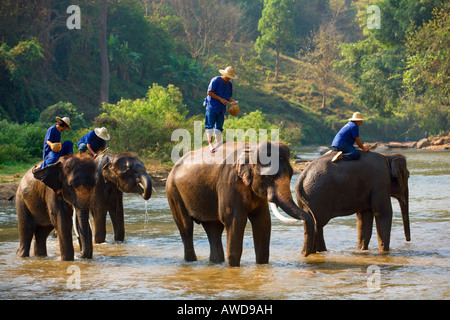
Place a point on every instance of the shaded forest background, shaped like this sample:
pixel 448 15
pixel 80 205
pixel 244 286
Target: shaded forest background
pixel 304 66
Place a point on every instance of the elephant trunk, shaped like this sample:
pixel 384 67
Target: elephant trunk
pixel 145 183
pixel 286 203
pixel 84 232
pixel 404 207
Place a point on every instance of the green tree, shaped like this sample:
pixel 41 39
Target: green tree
pixel 322 59
pixel 276 27
pixel 145 126
pixel 427 77
pixel 377 63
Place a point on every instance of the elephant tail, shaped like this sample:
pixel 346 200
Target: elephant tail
pixel 301 201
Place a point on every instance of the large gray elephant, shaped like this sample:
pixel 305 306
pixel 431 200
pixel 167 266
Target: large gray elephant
pixel 361 186
pixel 116 174
pixel 223 189
pixel 46 199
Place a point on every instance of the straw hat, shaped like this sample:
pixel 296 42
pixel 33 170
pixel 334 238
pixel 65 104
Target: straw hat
pixel 357 116
pixel 228 72
pixel 64 120
pixel 102 133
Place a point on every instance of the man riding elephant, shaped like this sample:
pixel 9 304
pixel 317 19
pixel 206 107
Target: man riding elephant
pixel 346 137
pixel 53 149
pixel 94 141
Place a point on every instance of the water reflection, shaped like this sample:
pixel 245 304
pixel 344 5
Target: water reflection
pixel 149 264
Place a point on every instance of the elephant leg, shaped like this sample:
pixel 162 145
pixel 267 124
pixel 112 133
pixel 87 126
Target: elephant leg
pixel 186 228
pixel 64 231
pixel 117 218
pixel 383 219
pixel 320 240
pixel 214 230
pixel 364 224
pixel 26 228
pixel 235 227
pixel 99 213
pixel 261 226
pixel 40 245
pixel 184 223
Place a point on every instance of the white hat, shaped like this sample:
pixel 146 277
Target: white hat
pixel 228 72
pixel 64 120
pixel 357 116
pixel 102 133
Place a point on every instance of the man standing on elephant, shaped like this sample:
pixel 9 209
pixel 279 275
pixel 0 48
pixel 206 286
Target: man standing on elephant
pixel 53 149
pixel 346 137
pixel 220 90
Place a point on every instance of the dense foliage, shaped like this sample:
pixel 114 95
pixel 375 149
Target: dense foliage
pixel 304 66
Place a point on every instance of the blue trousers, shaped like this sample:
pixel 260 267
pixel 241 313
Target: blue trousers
pixel 214 121
pixel 348 152
pixel 52 157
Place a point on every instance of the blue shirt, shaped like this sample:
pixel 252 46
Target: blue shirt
pixel 92 139
pixel 346 136
pixel 54 136
pixel 223 90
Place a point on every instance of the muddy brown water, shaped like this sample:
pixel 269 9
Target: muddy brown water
pixel 150 265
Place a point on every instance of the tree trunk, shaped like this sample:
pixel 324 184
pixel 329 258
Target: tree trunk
pixel 276 63
pixel 324 100
pixel 104 87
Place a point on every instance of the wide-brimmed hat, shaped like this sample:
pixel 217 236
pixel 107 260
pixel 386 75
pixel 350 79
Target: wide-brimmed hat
pixel 64 120
pixel 102 133
pixel 228 72
pixel 357 116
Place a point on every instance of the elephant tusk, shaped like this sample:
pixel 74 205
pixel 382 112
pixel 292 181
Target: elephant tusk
pixel 74 219
pixel 142 186
pixel 277 214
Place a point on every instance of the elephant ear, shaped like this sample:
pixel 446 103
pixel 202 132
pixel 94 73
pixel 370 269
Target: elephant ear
pixel 243 166
pixel 51 176
pixel 108 174
pixel 399 170
pixel 245 173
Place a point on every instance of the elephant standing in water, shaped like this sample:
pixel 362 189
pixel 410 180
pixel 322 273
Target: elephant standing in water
pixel 116 174
pixel 46 199
pixel 363 187
pixel 223 189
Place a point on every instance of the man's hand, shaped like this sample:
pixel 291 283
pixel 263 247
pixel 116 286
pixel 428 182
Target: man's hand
pixel 361 145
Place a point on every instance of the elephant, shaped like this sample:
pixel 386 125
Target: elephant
pixel 363 187
pixel 223 189
pixel 116 174
pixel 46 199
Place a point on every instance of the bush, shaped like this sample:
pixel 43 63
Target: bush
pixel 25 142
pixel 63 109
pixel 254 120
pixel 145 126
pixel 21 142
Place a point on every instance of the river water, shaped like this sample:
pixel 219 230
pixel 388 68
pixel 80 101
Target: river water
pixel 150 265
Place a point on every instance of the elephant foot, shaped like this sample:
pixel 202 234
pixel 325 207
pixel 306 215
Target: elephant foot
pixel 67 258
pixel 22 254
pixel 190 256
pixel 217 260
